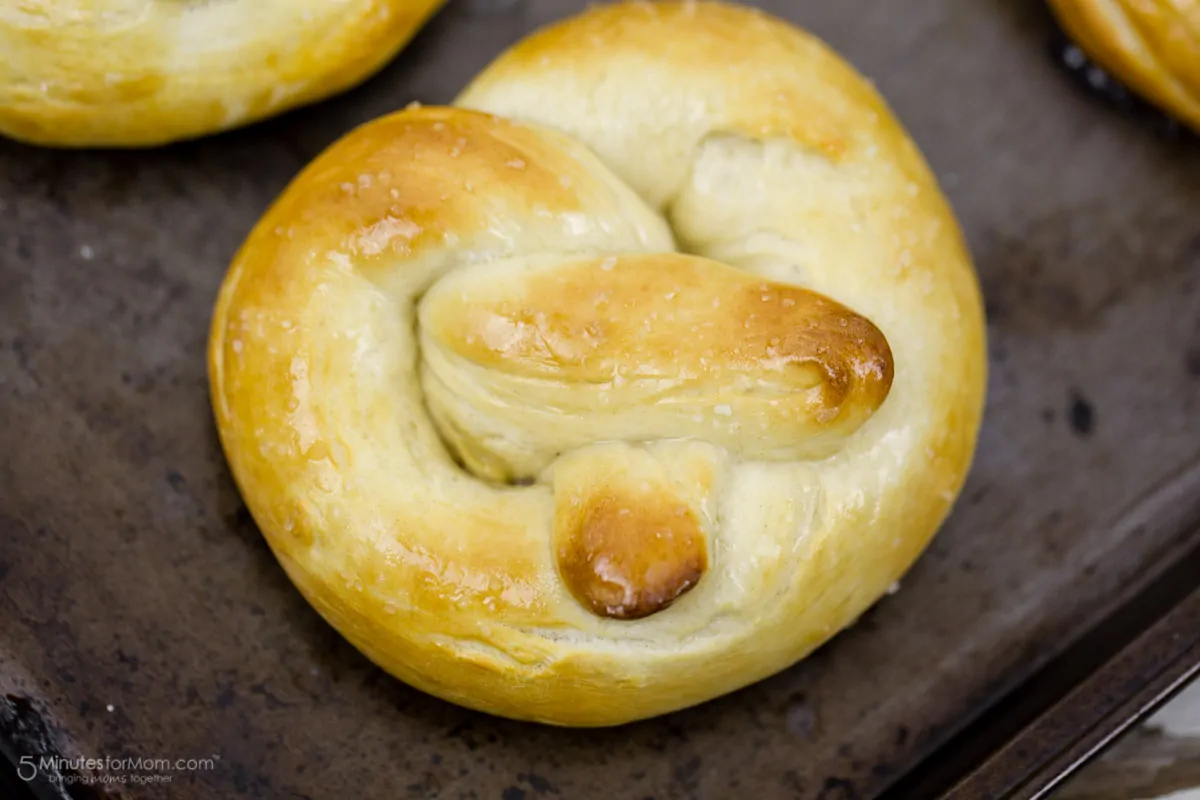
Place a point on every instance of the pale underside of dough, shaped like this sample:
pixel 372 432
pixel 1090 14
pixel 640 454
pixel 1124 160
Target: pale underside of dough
pixel 446 280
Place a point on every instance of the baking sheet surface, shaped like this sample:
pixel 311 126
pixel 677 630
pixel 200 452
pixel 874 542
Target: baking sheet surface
pixel 141 614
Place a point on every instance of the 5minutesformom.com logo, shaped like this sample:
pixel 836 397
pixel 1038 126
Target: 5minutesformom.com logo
pixel 58 769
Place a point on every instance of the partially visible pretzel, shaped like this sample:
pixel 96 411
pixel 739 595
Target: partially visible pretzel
pixel 1153 46
pixel 125 73
pixel 621 400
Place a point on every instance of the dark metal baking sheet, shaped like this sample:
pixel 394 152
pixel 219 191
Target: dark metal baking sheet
pixel 1034 739
pixel 131 575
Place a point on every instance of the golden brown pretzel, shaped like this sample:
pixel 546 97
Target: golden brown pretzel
pixel 122 73
pixel 1153 46
pixel 617 402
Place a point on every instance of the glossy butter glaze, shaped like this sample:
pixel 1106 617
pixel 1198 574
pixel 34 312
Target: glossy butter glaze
pixel 342 363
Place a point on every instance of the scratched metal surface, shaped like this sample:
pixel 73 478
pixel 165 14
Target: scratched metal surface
pixel 131 575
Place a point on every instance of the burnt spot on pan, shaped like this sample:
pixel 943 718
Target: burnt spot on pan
pixel 1192 364
pixel 1082 415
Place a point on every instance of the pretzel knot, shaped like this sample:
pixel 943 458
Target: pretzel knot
pixel 527 363
pixel 649 382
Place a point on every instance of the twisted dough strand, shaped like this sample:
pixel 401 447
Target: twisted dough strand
pixel 730 453
pixel 1151 45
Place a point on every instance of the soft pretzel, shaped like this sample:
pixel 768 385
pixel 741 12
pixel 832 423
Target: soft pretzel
pixel 1153 46
pixel 124 73
pixel 621 399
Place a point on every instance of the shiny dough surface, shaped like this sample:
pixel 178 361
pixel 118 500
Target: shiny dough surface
pixel 125 73
pixel 1153 46
pixel 626 382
